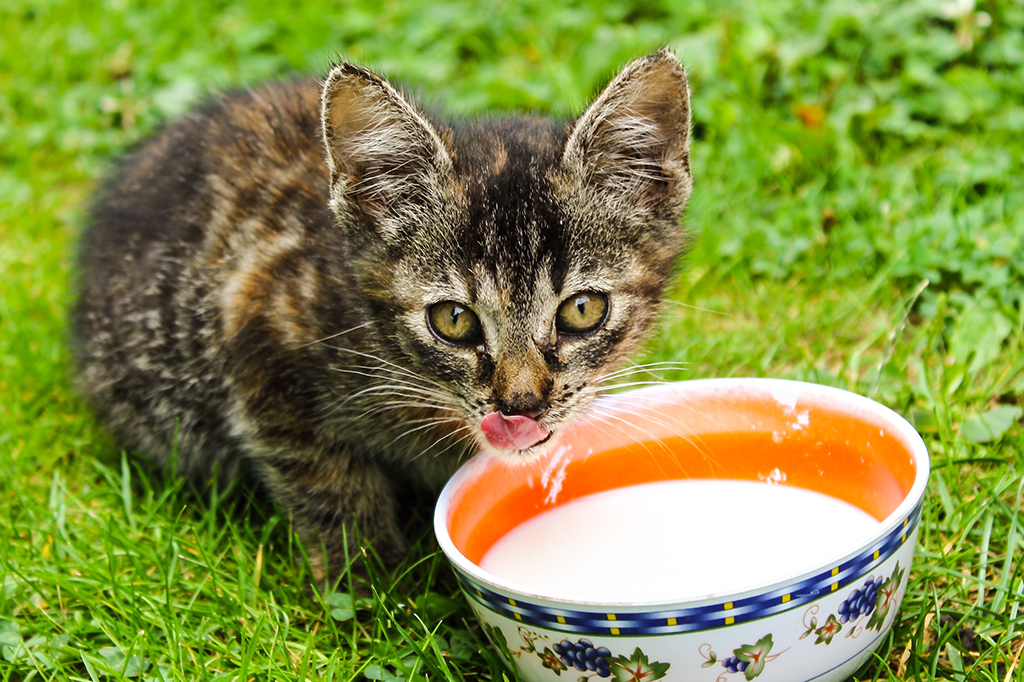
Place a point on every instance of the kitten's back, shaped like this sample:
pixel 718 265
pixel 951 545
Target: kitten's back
pixel 144 327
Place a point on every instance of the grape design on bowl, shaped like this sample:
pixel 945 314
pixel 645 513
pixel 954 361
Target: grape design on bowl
pixel 584 656
pixel 873 599
pixel 581 655
pixel 860 601
pixel 735 665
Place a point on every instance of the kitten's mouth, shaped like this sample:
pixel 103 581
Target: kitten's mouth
pixel 513 431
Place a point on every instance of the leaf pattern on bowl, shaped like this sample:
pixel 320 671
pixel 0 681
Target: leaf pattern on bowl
pixel 748 659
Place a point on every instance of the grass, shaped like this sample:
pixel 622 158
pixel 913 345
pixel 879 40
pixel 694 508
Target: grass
pixel 859 223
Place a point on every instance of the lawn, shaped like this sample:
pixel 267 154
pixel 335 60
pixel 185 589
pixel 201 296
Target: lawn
pixel 858 218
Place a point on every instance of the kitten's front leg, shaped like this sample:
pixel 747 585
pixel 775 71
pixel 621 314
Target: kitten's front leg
pixel 334 497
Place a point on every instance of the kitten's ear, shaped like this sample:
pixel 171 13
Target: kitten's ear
pixel 388 165
pixel 630 150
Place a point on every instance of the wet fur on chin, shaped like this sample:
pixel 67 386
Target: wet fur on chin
pixel 255 280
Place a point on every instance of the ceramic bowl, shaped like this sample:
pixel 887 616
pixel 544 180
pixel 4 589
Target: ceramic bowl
pixel 796 629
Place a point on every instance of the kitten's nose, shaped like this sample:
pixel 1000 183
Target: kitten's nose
pixel 526 404
pixel 522 382
pixel 532 414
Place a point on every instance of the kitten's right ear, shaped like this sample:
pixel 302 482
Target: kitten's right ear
pixel 388 165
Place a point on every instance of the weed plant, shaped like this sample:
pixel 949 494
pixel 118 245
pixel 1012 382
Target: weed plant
pixel 858 221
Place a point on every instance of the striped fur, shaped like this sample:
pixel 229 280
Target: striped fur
pixel 255 280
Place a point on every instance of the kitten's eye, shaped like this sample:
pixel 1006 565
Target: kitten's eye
pixel 582 312
pixel 454 322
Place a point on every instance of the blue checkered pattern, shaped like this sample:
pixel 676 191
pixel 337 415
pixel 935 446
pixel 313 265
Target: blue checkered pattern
pixel 671 621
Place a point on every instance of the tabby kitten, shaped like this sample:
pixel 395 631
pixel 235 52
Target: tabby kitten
pixel 346 296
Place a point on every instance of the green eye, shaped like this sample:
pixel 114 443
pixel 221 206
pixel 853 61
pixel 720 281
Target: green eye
pixel 582 312
pixel 454 322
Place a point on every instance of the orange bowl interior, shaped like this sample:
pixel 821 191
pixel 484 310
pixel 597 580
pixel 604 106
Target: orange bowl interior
pixel 818 445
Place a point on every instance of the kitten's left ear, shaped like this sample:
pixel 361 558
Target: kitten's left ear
pixel 630 151
pixel 389 166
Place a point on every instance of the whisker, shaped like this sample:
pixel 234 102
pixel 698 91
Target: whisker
pixel 612 387
pixel 466 440
pixel 398 368
pixel 638 441
pixel 385 373
pixel 409 374
pixel 404 391
pixel 699 309
pixel 673 425
pixel 422 427
pixel 412 401
pixel 447 435
pixel 334 336
pixel 657 363
pixel 370 375
pixel 613 414
pixel 644 368
pixel 629 375
pixel 454 415
pixel 399 404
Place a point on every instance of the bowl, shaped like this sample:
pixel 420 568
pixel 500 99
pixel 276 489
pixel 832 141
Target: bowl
pixel 815 619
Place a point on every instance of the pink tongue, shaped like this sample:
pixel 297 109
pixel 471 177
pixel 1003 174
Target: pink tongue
pixel 513 431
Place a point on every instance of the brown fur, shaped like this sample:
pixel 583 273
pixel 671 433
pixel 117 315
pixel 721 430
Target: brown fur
pixel 265 303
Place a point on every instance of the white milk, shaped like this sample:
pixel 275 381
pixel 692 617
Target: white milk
pixel 677 540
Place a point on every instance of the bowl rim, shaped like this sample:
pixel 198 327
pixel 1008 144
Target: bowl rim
pixel 907 510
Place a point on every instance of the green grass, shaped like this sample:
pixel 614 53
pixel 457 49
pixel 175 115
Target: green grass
pixel 846 153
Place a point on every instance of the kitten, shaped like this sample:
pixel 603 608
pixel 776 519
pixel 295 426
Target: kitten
pixel 332 289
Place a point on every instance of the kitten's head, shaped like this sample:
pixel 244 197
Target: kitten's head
pixel 511 264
